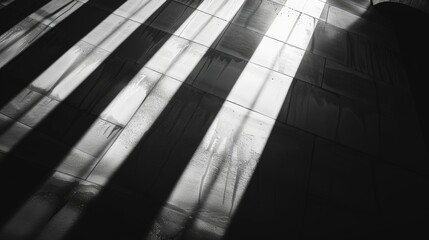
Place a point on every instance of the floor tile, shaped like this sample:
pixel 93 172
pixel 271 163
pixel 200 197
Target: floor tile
pixel 330 42
pixel 177 58
pixel 257 15
pixel 136 10
pixel 239 42
pixel 224 9
pixel 125 104
pixel 289 60
pixel 316 8
pixel 171 17
pixel 260 90
pixel 303 31
pixel 69 71
pixel 282 26
pixel 349 83
pixel 314 110
pixel 111 32
pixel 202 28
pixel 219 72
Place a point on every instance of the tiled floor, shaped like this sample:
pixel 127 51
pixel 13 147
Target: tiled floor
pixel 209 119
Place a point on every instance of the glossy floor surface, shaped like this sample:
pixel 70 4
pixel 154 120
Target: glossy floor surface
pixel 209 119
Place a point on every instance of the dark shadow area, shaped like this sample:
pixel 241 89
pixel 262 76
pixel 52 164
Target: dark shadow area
pixel 411 25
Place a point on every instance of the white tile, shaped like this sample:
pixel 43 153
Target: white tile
pixel 283 24
pixel 138 10
pixel 126 103
pixel 278 56
pixel 303 31
pixel 261 90
pixel 177 58
pixel 225 9
pixel 314 8
pixel 202 28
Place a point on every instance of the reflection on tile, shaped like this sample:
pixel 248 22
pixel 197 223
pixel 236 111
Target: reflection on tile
pixel 70 70
pixel 135 130
pixel 289 60
pixel 111 32
pixel 19 38
pixel 350 83
pixel 302 31
pixel 314 110
pixel 218 74
pixel 340 192
pixel 126 103
pixel 177 58
pixel 260 90
pixel 257 15
pixel 239 42
pixel 202 28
